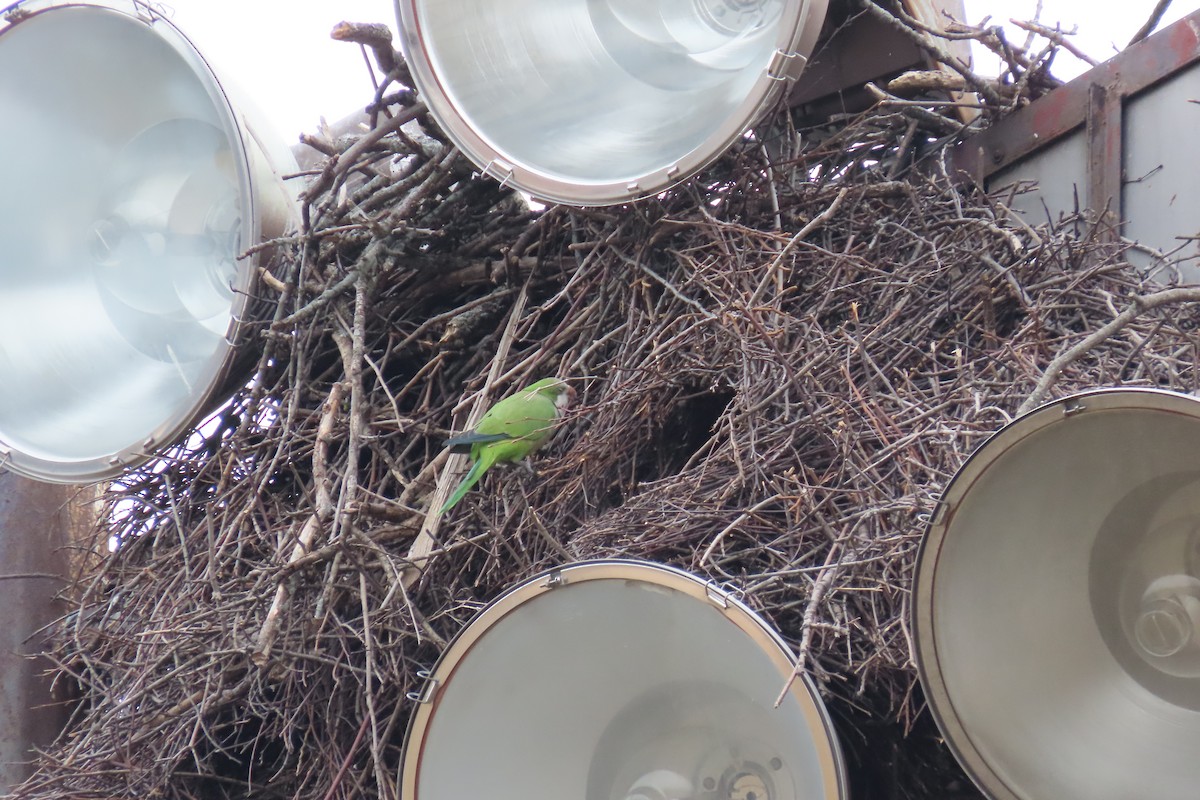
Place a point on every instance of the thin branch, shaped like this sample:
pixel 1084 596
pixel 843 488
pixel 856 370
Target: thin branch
pixel 1137 307
pixel 1160 8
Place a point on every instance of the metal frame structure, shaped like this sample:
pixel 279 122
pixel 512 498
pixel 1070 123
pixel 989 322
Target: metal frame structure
pixel 1096 102
pixel 38 522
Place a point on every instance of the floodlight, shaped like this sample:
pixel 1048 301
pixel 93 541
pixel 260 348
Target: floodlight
pixel 618 680
pixel 596 102
pixel 1057 602
pixel 133 183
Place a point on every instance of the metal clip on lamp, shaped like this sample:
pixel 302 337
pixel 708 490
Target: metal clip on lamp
pixel 134 182
pixel 597 102
pixel 1057 602
pixel 618 680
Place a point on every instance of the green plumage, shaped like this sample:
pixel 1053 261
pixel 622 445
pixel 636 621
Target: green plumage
pixel 510 430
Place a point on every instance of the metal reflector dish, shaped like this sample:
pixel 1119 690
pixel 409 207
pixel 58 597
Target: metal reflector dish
pixel 594 102
pixel 132 187
pixel 618 680
pixel 1057 612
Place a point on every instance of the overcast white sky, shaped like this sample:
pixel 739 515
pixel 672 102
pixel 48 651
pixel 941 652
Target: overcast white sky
pixel 282 56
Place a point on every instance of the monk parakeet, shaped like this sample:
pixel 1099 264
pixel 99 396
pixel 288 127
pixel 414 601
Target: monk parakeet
pixel 511 430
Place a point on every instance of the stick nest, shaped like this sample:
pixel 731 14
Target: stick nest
pixel 780 365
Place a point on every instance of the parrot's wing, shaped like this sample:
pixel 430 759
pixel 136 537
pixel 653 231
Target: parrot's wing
pixel 464 441
pixel 519 417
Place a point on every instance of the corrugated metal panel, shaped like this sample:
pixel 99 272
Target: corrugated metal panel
pixel 1161 191
pixel 1056 174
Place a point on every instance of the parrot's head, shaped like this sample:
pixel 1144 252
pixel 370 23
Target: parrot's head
pixel 558 390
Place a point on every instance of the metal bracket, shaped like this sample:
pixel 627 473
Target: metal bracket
pixel 428 689
pixel 716 595
pixel 785 66
pixel 499 170
pixel 1073 407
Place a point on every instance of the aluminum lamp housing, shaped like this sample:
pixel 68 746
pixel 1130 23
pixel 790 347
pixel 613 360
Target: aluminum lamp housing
pixel 1057 602
pixel 618 680
pixel 599 102
pixel 140 182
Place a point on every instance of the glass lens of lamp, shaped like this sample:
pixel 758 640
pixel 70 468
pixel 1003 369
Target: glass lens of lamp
pixel 601 101
pixel 1057 600
pixel 119 277
pixel 620 689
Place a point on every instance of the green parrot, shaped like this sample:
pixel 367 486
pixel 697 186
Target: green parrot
pixel 510 430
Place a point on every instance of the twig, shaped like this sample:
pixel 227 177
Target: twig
pixel 312 526
pixel 376 36
pixel 829 571
pixel 1151 22
pixel 1137 307
pixel 1059 38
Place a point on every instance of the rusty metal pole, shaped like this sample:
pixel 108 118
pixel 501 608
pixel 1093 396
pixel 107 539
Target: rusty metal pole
pixel 36 522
